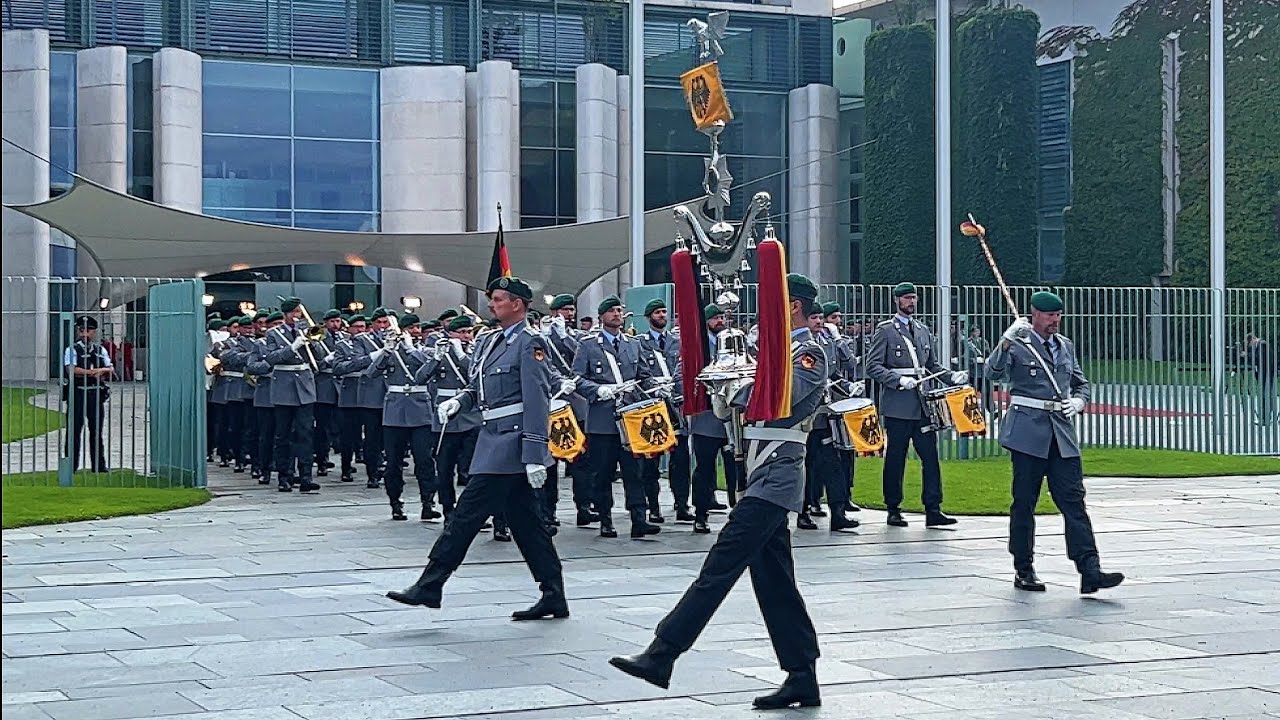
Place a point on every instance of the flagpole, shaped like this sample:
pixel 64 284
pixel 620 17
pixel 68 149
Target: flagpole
pixel 636 209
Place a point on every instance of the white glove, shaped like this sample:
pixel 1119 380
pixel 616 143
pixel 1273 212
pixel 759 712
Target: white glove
pixel 456 346
pixel 297 343
pixel 568 385
pixel 1018 330
pixel 407 341
pixel 329 358
pixel 720 406
pixel 907 383
pixel 558 324
pixel 1073 407
pixel 959 377
pixel 537 475
pixel 858 388
pixel 606 392
pixel 376 355
pixel 390 342
pixel 662 391
pixel 448 409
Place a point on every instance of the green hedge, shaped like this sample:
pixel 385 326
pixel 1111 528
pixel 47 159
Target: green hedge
pixel 898 185
pixel 994 128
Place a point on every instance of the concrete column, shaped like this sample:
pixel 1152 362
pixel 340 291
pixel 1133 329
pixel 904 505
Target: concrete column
pixel 473 135
pixel 624 165
pixel 424 162
pixel 25 180
pixel 102 116
pixel 497 90
pixel 511 218
pixel 813 127
pixel 597 161
pixel 178 128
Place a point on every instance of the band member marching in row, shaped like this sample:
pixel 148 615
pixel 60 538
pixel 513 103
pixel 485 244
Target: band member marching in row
pixel 348 381
pixel 707 441
pixel 445 371
pixel 564 337
pixel 364 412
pixel 256 364
pixel 825 469
pixel 293 396
pixel 328 426
pixel 664 351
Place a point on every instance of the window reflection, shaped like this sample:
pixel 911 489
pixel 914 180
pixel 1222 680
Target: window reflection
pixel 332 103
pixel 246 98
pixel 334 175
pixel 243 172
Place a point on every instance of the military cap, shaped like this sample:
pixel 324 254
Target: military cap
pixel 430 324
pixel 513 285
pixel 261 314
pixel 830 308
pixel 244 321
pixel 332 314
pixel 609 303
pixel 450 313
pixel 409 319
pixel 290 304
pixel 84 322
pixel 563 301
pixel 357 318
pixel 534 314
pixel 277 315
pixel 654 306
pixel 215 323
pixel 1046 302
pixel 800 287
pixel 905 288
pixel 461 322
pixel 379 313
pixel 711 311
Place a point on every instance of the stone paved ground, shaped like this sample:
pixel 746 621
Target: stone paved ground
pixel 265 606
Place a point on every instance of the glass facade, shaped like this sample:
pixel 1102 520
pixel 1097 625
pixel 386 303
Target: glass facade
pixel 62 119
pixel 141 180
pixel 548 190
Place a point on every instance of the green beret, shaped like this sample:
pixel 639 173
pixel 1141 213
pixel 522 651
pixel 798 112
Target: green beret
pixel 290 304
pixel 450 313
pixel 830 308
pixel 277 315
pixel 711 311
pixel 243 321
pixel 333 314
pixel 357 318
pixel 261 314
pixel 409 319
pixel 513 285
pixel 608 304
pixel 653 306
pixel 216 324
pixel 563 301
pixel 460 323
pixel 1046 302
pixel 800 287
pixel 430 324
pixel 380 313
pixel 905 288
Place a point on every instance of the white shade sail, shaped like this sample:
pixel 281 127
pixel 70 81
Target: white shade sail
pixel 132 237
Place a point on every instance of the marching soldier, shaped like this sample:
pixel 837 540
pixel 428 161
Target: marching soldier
pixel 327 426
pixel 406 419
pixel 604 363
pixel 825 469
pixel 1047 390
pixel 901 357
pixel 445 370
pixel 664 352
pixel 235 357
pixel 707 439
pixel 849 382
pixel 348 382
pixel 511 384
pixel 215 401
pixel 293 395
pixel 756 537
pixel 564 339
pixel 257 365
pixel 365 412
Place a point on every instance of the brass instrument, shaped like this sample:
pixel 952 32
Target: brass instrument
pixel 312 333
pixel 481 328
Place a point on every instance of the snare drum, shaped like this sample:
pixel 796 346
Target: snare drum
pixel 856 426
pixel 645 427
pixel 956 407
pixel 565 438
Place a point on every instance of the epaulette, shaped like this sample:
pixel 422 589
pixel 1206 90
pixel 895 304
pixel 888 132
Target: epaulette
pixel 529 329
pixel 884 323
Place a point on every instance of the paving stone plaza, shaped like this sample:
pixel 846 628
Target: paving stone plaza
pixel 269 607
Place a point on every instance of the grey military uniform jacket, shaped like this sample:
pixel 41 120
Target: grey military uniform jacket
pixel 1027 429
pixel 236 359
pixel 223 390
pixel 293 383
pixel 593 367
pixel 561 349
pixel 776 449
pixel 359 389
pixel 664 362
pixel 259 365
pixel 890 358
pixel 706 423
pixel 445 373
pixel 407 403
pixel 510 383
pixel 326 380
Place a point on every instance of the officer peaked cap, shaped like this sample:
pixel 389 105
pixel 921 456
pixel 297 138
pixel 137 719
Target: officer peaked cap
pixel 84 322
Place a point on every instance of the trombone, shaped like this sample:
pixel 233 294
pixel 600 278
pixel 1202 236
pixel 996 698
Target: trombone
pixel 312 333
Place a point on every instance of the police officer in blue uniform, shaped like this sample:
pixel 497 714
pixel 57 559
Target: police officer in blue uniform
pixel 756 538
pixel 1047 390
pixel 511 383
pixel 88 367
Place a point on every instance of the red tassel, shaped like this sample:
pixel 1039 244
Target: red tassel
pixel 771 396
pixel 693 333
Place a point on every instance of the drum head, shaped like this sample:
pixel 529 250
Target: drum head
pixel 639 405
pixel 849 405
pixel 559 404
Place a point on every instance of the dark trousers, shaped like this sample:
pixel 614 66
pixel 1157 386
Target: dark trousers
pixel 1066 486
pixel 326 428
pixel 677 475
pixel 583 490
pixel 88 408
pixel 549 494
pixel 420 441
pixel 366 423
pixel 756 538
pixel 496 495
pixel 294 426
pixel 249 432
pixel 825 468
pixel 212 426
pixel 606 455
pixel 451 465
pixel 705 449
pixel 348 438
pixel 900 434
pixel 265 439
pixel 231 434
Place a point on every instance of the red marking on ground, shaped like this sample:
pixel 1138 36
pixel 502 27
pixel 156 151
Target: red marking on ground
pixel 1120 410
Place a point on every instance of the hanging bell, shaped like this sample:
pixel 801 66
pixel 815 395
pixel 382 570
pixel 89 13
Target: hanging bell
pixel 768 232
pixel 746 266
pixel 737 283
pixel 751 242
pixel 680 244
pixel 694 250
pixel 719 285
pixel 706 274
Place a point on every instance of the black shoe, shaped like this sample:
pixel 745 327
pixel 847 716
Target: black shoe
pixel 700 527
pixel 1028 580
pixel 308 486
pixel 372 484
pixel 656 518
pixel 502 534
pixel 397 510
pixel 347 477
pixel 935 518
pixel 895 518
pixel 606 528
pixel 640 528
pixel 804 522
pixel 852 507
pixel 1095 580
pixel 262 480
pixel 840 522
pixel 652 666
pixel 551 604
pixel 718 506
pixel 552 530
pixel 237 469
pixel 683 515
pixel 429 512
pixel 284 486
pixel 817 511
pixel 800 688
pixel 322 471
pixel 224 463
pixel 554 522
pixel 586 517
pixel 418 594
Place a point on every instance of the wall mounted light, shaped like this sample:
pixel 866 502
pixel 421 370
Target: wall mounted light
pixel 411 302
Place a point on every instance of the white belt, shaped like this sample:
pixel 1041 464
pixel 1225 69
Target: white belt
pixel 408 388
pixel 293 368
pixel 1027 402
pixel 228 373
pixel 352 375
pixel 768 434
pixel 447 392
pixel 501 412
pixel 905 372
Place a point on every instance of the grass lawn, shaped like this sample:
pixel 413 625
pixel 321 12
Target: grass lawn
pixel 36 498
pixel 21 419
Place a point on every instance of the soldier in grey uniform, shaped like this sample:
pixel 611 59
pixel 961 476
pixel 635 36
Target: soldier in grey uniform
pixel 1047 390
pixel 664 355
pixel 825 468
pixel 235 356
pixel 293 396
pixel 850 383
pixel 564 337
pixel 365 410
pixel 220 436
pixel 901 356
pixel 511 384
pixel 756 538
pixel 605 360
pixel 256 364
pixel 348 383
pixel 708 439
pixel 327 426
pixel 445 370
pixel 406 419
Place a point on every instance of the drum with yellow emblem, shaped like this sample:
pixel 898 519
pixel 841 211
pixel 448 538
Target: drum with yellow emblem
pixel 956 407
pixel 565 438
pixel 646 428
pixel 856 426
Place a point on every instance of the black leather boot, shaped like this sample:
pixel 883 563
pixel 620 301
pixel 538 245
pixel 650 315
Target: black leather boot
pixel 1092 579
pixel 936 518
pixel 551 604
pixel 640 528
pixel 683 515
pixel 397 510
pixel 606 527
pixel 800 688
pixel 586 517
pixel 895 518
pixel 1028 580
pixel 652 666
pixel 839 521
pixel 804 522
pixel 700 526
pixel 423 592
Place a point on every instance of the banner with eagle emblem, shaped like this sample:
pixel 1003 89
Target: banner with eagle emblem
pixel 705 95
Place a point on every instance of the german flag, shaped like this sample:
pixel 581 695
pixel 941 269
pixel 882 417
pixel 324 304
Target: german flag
pixel 499 264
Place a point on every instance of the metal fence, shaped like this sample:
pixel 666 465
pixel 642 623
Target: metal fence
pixel 49 436
pixel 1146 351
